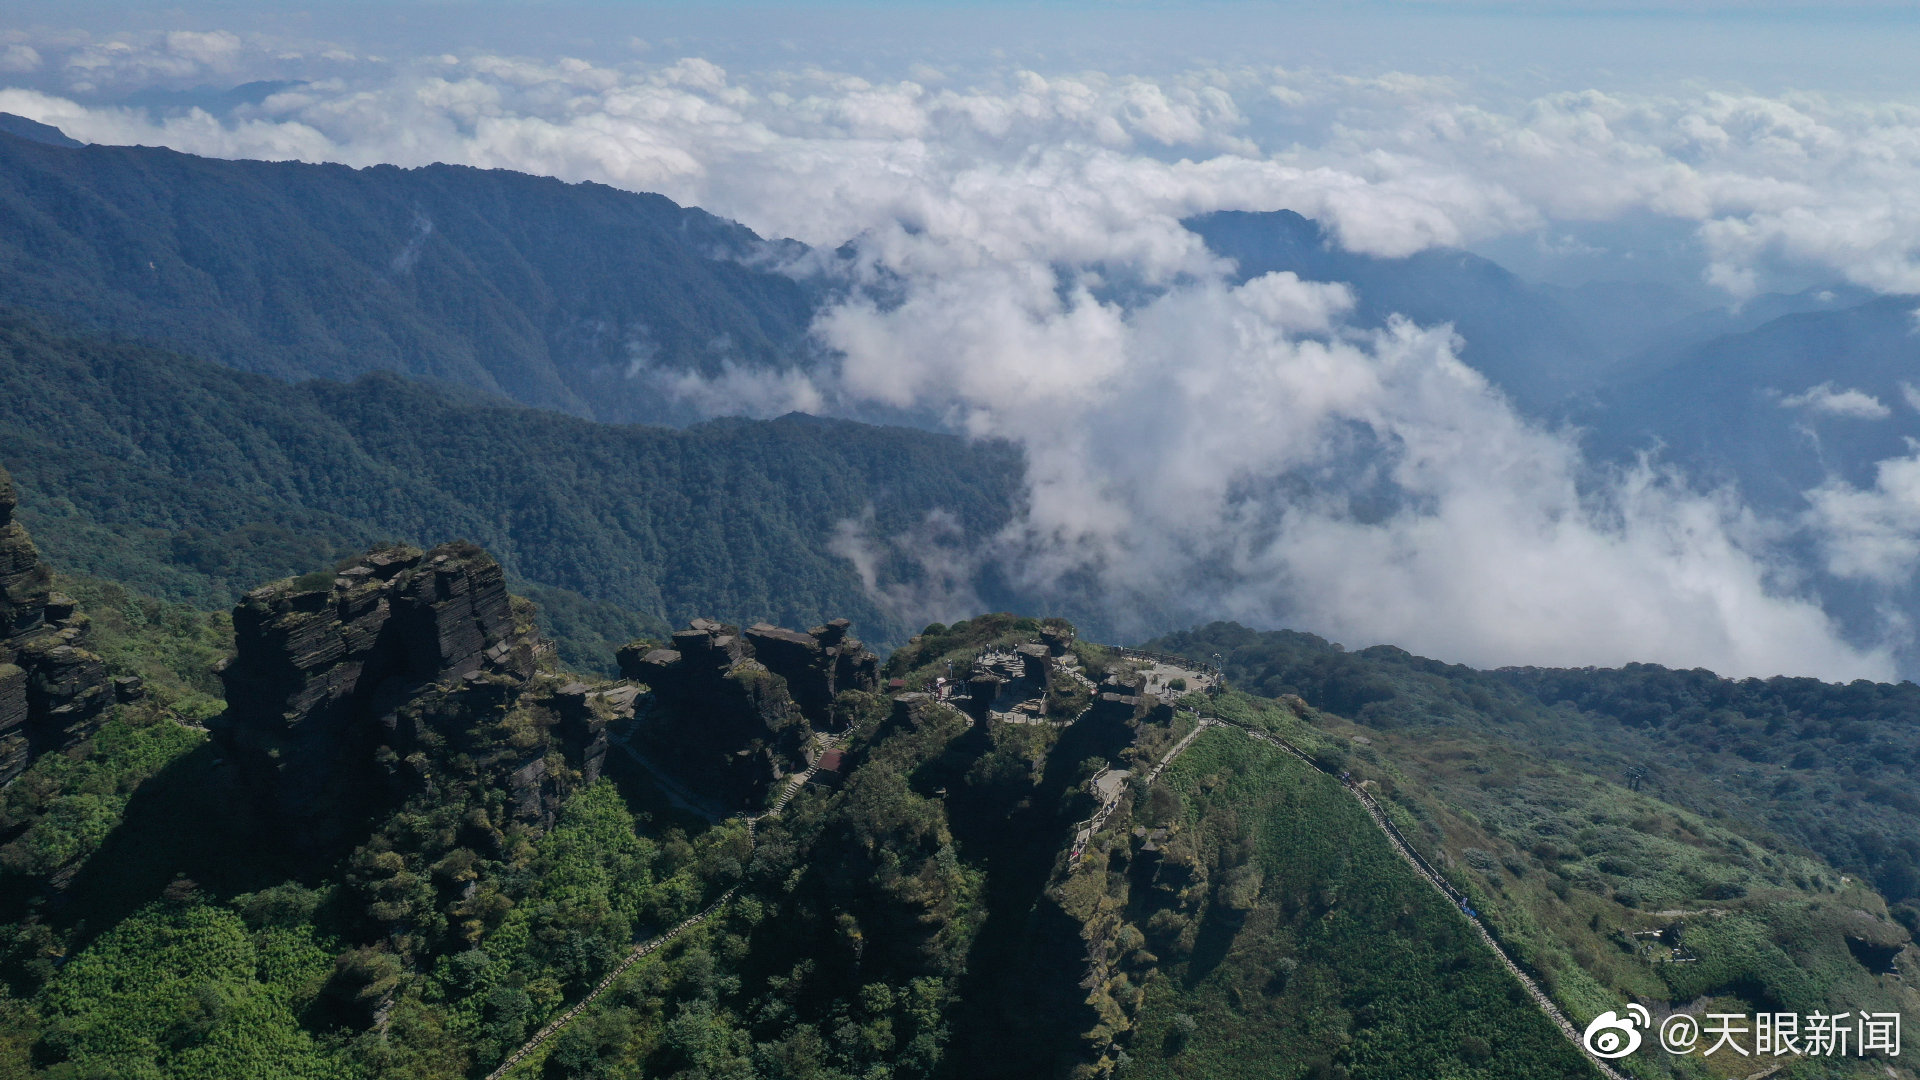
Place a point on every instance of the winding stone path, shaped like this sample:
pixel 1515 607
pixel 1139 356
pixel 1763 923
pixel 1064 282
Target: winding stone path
pixel 1083 832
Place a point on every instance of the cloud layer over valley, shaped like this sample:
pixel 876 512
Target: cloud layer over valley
pixel 1199 447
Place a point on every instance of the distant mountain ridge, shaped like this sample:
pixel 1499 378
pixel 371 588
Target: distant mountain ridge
pixel 600 302
pixel 558 295
pixel 1544 345
pixel 1510 329
pixel 193 482
pixel 604 304
pixel 35 131
pixel 1736 406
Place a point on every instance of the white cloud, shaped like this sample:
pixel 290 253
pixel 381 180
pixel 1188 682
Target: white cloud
pixel 1850 403
pixel 739 391
pixel 940 586
pixel 216 49
pixel 1197 450
pixel 1234 453
pixel 1392 163
pixel 1872 534
pixel 19 59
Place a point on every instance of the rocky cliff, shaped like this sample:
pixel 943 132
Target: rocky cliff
pixel 52 689
pixel 817 665
pixel 733 712
pixel 349 690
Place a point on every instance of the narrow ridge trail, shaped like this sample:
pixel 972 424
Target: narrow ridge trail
pixel 653 944
pixel 1427 872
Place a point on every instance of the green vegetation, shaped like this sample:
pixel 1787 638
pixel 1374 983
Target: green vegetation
pixel 1273 932
pixel 191 482
pixel 185 988
pixel 558 295
pixel 1673 880
pixel 171 647
pixel 1241 917
pixel 1642 834
pixel 910 916
pixel 455 928
pixel 63 807
pixel 1823 766
pixel 928 653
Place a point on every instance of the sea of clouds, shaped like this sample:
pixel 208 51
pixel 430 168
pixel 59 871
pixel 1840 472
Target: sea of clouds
pixel 1197 449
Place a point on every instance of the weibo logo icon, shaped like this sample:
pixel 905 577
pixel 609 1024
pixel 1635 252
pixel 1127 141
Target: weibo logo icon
pixel 1610 1036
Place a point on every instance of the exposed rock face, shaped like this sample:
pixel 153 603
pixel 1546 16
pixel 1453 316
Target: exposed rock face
pixel 1034 662
pixel 1123 696
pixel 817 665
pixel 1005 682
pixel 344 688
pixel 734 712
pixel 318 646
pixel 1057 639
pixel 1111 706
pixel 52 689
pixel 983 690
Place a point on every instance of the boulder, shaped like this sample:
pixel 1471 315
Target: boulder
pixel 982 691
pixel 1110 706
pixel 128 688
pixel 1035 661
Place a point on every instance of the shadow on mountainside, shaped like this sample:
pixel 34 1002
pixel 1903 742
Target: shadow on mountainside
pixel 1022 1009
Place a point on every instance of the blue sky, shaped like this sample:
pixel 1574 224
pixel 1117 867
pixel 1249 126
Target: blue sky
pixel 1861 45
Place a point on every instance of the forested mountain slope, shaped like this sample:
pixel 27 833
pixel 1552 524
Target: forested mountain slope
pixel 1635 835
pixel 191 481
pixel 552 294
pixel 386 834
pixel 173 908
pixel 590 300
pixel 1825 766
pixel 1766 408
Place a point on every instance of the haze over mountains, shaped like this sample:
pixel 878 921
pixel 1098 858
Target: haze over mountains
pixel 570 297
pixel 592 565
pixel 619 307
pixel 623 306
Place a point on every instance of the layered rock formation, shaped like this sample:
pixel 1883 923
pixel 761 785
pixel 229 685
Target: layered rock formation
pixel 734 712
pixel 1120 696
pixel 817 665
pixel 346 690
pixel 52 689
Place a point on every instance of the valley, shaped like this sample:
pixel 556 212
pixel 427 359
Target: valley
pixel 1082 844
pixel 457 624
